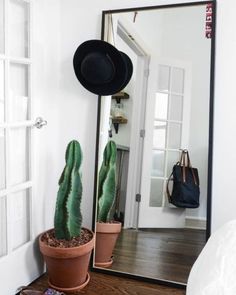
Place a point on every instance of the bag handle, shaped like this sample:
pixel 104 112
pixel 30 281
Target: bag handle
pixel 169 179
pixel 182 164
pixel 167 188
pixel 190 166
pixel 185 162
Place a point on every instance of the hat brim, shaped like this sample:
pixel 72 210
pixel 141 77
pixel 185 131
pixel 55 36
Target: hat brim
pixel 122 64
pixel 129 69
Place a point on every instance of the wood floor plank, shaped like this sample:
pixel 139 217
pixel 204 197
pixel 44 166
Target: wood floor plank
pixel 101 284
pixel 166 254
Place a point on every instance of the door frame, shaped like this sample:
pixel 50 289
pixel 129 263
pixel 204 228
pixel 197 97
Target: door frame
pixel 138 46
pixel 136 145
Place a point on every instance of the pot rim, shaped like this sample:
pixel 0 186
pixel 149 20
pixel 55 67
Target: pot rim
pixel 70 251
pixel 106 227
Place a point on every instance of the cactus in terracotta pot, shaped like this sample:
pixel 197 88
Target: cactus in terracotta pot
pixel 67 248
pixel 68 217
pixel 107 182
pixel 107 231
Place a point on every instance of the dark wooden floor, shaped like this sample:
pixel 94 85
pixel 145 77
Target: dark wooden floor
pixel 101 284
pixel 163 253
pixel 166 254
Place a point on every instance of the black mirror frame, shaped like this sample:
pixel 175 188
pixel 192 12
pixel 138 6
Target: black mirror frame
pixel 210 141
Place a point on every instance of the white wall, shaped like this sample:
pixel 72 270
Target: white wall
pixel 224 156
pixel 71 110
pixel 124 133
pixel 46 94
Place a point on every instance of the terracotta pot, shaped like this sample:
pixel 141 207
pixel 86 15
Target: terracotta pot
pixel 67 267
pixel 106 236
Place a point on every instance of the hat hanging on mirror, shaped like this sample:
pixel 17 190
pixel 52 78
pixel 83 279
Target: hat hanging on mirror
pixel 101 68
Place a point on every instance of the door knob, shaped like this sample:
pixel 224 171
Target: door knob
pixel 40 122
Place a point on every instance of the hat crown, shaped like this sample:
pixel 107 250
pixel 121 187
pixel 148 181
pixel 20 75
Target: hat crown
pixel 101 68
pixel 97 68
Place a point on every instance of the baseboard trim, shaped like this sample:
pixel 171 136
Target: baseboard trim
pixel 195 222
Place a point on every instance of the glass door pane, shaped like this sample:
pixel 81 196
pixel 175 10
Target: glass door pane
pixel 2 94
pixel 20 214
pixel 156 193
pixel 161 106
pixel 18 100
pixel 163 77
pixel 19 158
pixel 159 134
pixel 18 28
pixel 174 135
pixel 158 163
pixel 2 34
pixel 177 80
pixel 2 160
pixel 3 226
pixel 176 108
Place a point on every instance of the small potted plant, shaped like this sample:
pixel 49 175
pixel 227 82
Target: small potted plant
pixel 107 230
pixel 67 247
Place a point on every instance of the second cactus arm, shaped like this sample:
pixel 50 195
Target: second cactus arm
pixel 107 182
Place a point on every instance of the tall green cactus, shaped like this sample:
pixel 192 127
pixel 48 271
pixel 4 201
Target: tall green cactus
pixel 107 182
pixel 68 218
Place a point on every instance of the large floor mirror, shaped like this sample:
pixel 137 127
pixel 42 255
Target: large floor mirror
pixel 166 107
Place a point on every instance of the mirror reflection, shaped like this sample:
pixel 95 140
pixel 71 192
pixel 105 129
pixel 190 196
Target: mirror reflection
pixel 163 110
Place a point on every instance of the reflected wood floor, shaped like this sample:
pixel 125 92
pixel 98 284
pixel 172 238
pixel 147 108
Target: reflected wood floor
pixel 166 254
pixel 101 284
pixel 163 253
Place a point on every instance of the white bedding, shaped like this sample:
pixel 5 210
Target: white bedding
pixel 214 272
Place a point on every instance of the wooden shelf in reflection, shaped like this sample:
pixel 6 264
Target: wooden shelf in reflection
pixel 118 120
pixel 120 95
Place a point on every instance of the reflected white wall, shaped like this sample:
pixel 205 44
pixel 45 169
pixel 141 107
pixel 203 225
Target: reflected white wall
pixel 124 133
pixel 185 41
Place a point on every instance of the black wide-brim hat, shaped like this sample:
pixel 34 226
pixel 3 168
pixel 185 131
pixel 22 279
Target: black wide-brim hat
pixel 101 68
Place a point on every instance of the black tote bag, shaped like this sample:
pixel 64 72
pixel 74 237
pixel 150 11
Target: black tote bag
pixel 186 191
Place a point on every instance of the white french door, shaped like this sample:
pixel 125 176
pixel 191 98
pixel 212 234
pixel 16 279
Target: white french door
pixel 17 258
pixel 167 131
